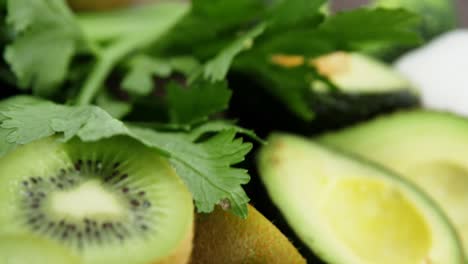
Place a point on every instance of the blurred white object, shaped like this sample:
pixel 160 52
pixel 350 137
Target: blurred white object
pixel 440 71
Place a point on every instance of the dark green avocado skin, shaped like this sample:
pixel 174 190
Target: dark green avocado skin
pixel 257 109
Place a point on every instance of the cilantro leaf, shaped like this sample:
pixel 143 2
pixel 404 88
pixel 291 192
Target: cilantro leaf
pixel 165 16
pixel 205 165
pixel 353 29
pixel 116 108
pixel 46 39
pixel 209 22
pixel 193 104
pixel 217 68
pixel 221 125
pixel 290 13
pixel 139 79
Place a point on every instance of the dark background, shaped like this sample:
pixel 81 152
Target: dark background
pixel 462 7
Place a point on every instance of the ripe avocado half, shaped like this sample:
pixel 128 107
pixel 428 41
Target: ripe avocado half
pixel 353 212
pixel 428 148
pixel 366 88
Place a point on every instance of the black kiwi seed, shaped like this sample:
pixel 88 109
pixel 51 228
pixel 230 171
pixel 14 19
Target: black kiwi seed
pixel 113 175
pixel 123 177
pixel 78 165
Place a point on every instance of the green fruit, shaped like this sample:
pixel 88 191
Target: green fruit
pixel 428 148
pixel 111 201
pixel 221 237
pixel 365 87
pixel 21 249
pixel 350 211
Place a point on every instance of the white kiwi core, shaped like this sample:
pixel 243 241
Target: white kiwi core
pixel 88 199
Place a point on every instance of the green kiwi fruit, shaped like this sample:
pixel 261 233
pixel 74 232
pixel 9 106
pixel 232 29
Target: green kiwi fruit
pixel 110 201
pixel 24 249
pixel 222 237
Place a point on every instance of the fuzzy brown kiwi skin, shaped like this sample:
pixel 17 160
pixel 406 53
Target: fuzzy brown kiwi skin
pixel 222 237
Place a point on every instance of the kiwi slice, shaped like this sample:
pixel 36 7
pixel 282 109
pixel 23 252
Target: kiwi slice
pixel 111 201
pixel 24 249
pixel 221 237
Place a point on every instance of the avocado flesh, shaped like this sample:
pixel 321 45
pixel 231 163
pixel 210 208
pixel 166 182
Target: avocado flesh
pixel 366 88
pixel 428 148
pixel 349 211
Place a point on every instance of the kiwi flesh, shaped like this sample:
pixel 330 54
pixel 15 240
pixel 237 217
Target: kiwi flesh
pixel 221 237
pixel 24 249
pixel 111 201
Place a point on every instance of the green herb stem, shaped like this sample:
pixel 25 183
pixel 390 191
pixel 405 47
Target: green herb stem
pixel 107 60
pixel 126 42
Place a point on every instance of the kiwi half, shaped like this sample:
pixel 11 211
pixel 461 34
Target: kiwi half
pixel 221 237
pixel 112 201
pixel 23 249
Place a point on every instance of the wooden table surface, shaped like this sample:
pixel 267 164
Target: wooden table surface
pixel 462 7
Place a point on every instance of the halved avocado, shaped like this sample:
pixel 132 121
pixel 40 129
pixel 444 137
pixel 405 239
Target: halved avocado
pixel 353 212
pixel 428 148
pixel 365 88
